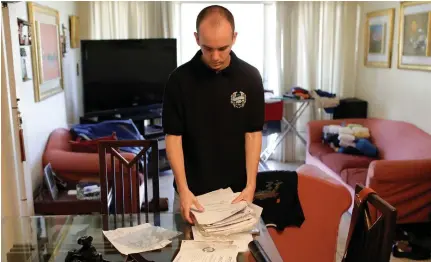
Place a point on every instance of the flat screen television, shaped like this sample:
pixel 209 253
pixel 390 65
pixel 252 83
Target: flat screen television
pixel 120 74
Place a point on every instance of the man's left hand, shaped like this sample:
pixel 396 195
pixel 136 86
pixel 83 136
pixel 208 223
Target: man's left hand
pixel 247 195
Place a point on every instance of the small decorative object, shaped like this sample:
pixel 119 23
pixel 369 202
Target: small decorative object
pixel 415 36
pixel 74 31
pixel 24 32
pixel 86 253
pixel 379 32
pixel 87 191
pixel 25 68
pixel 46 51
pixel 64 40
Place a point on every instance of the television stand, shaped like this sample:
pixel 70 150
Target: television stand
pixel 148 119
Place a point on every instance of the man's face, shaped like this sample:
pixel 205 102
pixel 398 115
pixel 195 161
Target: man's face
pixel 215 41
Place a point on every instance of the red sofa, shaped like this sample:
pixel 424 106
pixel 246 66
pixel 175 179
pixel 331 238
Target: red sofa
pixel 73 166
pixel 401 174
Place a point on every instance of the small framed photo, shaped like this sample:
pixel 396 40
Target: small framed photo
pixel 50 181
pixel 24 33
pixel 379 33
pixel 415 36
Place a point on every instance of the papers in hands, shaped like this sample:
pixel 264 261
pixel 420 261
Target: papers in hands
pixel 197 251
pixel 141 238
pixel 221 217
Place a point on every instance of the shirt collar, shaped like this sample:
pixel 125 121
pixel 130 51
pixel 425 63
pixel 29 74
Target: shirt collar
pixel 197 61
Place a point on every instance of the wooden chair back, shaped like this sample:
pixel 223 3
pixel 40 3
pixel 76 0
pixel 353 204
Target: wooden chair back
pixel 122 178
pixel 372 228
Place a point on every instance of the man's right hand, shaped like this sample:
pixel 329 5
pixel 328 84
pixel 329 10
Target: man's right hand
pixel 187 200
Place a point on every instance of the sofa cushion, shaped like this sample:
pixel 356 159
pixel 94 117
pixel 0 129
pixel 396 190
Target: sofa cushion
pixel 353 176
pixel 319 149
pixel 337 162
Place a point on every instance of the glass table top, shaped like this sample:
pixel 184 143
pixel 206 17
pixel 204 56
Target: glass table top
pixel 50 238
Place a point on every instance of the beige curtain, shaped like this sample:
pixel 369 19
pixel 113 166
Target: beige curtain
pixel 316 49
pixel 126 20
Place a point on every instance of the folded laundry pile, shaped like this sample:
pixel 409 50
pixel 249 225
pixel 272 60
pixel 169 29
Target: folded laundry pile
pixel 351 139
pixel 298 93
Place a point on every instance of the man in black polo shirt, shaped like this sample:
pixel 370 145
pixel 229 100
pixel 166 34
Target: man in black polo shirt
pixel 213 114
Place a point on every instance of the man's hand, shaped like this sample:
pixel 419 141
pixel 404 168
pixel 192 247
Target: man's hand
pixel 187 199
pixel 247 194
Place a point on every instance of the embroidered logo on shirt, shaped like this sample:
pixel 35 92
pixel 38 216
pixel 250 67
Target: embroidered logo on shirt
pixel 238 99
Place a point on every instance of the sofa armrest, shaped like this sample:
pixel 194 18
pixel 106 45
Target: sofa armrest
pixel 74 162
pixel 399 171
pixel 405 184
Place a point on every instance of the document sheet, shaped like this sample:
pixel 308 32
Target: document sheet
pixel 141 238
pixel 206 251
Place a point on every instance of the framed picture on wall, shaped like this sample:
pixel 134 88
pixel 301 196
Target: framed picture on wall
pixel 415 36
pixel 74 31
pixel 46 51
pixel 379 33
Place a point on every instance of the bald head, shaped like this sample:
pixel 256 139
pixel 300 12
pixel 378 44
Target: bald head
pixel 215 16
pixel 215 34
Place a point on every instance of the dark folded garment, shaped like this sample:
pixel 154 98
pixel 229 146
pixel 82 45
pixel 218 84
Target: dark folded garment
pixel 277 194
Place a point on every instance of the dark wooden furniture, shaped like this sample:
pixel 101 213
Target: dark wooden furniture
pixel 64 205
pixel 372 228
pixel 124 177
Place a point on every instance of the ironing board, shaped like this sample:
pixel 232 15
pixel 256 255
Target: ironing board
pixel 290 126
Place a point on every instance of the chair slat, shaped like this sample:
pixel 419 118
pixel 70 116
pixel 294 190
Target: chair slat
pixel 121 175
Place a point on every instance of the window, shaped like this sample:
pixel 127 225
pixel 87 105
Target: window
pixel 254 22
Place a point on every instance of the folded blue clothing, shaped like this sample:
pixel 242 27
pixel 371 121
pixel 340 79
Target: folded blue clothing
pixel 366 147
pixel 124 129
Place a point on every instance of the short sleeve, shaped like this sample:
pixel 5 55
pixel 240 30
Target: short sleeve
pixel 172 114
pixel 256 107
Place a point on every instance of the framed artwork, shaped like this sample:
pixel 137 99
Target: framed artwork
pixel 414 50
pixel 74 31
pixel 46 51
pixel 379 34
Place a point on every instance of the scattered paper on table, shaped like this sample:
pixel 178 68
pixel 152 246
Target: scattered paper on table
pixel 141 238
pixel 208 251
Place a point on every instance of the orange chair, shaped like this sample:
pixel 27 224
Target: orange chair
pixel 323 200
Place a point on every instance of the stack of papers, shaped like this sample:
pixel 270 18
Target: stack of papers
pixel 222 218
pixel 141 238
pixel 197 251
pixel 240 240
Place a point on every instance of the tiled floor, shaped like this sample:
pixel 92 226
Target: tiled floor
pixel 166 190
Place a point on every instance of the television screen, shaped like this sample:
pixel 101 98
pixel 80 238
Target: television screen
pixel 125 73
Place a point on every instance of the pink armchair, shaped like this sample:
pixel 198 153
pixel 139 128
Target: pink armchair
pixel 401 174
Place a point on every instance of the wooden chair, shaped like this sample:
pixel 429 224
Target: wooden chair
pixel 123 178
pixel 372 228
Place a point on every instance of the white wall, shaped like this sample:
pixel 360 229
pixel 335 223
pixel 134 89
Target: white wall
pixel 393 93
pixel 60 110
